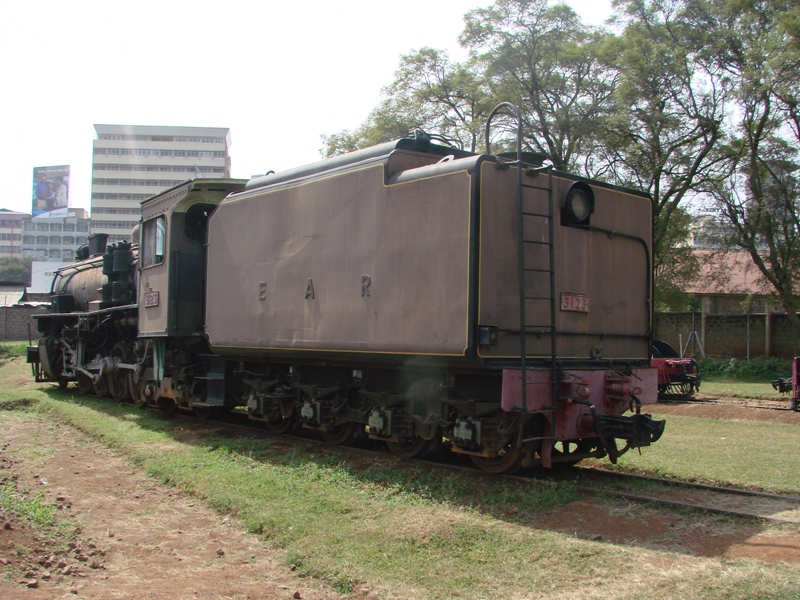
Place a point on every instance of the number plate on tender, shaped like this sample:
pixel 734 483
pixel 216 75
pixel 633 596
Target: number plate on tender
pixel 574 302
pixel 150 299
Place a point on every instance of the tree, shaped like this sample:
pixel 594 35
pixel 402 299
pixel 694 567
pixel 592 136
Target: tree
pixel 665 128
pixel 757 43
pixel 15 270
pixel 430 93
pixel 545 60
pixel 541 58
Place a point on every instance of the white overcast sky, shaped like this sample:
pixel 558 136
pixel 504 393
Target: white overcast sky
pixel 277 73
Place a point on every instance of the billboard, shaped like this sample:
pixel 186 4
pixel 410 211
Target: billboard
pixel 50 189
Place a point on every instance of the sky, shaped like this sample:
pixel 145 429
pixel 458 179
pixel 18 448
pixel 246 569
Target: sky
pixel 279 74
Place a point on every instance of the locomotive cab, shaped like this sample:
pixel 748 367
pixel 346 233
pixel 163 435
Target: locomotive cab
pixel 173 256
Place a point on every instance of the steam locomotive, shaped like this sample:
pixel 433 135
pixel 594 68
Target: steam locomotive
pixel 411 292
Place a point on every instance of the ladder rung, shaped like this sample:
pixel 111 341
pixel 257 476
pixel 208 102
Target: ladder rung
pixel 533 214
pixel 532 270
pixel 538 297
pixel 537 242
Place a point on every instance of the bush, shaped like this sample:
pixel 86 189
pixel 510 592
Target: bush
pixel 759 368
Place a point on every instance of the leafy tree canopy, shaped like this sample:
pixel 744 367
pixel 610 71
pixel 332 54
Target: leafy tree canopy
pixel 15 270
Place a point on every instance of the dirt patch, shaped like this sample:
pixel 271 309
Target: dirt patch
pixel 698 535
pixel 136 539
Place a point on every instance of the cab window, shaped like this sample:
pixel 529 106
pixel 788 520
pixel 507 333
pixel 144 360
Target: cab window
pixel 154 242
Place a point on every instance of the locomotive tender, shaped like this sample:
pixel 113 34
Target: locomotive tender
pixel 411 292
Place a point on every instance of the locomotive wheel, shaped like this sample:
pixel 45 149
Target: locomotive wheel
pixel 412 447
pixel 507 460
pixel 118 378
pixel 118 386
pixel 100 387
pixel 85 385
pixel 340 434
pixel 137 392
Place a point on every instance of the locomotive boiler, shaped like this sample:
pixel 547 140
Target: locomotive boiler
pixel 410 292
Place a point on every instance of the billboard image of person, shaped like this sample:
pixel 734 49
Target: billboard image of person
pixel 50 189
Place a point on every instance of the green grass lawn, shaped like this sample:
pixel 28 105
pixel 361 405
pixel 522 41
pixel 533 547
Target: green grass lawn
pixel 413 532
pixel 752 454
pixel 737 388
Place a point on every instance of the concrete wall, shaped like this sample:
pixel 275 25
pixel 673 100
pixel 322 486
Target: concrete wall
pixel 14 322
pixel 729 335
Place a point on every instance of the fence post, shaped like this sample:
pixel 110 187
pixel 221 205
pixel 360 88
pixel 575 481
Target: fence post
pixel 767 330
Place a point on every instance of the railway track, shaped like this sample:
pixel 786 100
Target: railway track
pixel 672 493
pixel 735 502
pixel 759 403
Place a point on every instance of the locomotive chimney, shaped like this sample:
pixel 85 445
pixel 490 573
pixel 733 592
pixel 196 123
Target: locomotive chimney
pixel 97 243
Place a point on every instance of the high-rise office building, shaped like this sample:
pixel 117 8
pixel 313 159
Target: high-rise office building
pixel 11 232
pixel 55 235
pixel 132 163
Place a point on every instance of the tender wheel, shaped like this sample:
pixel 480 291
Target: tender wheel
pixel 507 460
pixel 205 412
pixel 280 425
pixel 412 447
pixel 63 383
pixel 167 406
pixel 570 448
pixel 340 434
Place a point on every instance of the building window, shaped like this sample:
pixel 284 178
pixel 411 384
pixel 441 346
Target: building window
pixel 68 240
pixel 55 226
pixel 55 240
pixel 41 239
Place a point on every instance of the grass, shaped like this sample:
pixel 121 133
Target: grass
pixel 756 454
pixel 34 511
pixel 411 532
pixel 13 348
pixel 729 387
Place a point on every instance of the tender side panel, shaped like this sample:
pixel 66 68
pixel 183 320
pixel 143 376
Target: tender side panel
pixel 608 275
pixel 343 263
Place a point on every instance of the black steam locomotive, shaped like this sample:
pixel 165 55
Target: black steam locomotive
pixel 410 292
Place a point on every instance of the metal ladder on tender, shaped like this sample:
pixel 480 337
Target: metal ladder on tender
pixel 544 275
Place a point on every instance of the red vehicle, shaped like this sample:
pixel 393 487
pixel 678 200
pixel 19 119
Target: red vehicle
pixel 678 378
pixel 790 384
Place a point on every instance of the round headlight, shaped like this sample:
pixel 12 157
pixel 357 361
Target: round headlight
pixel 580 205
